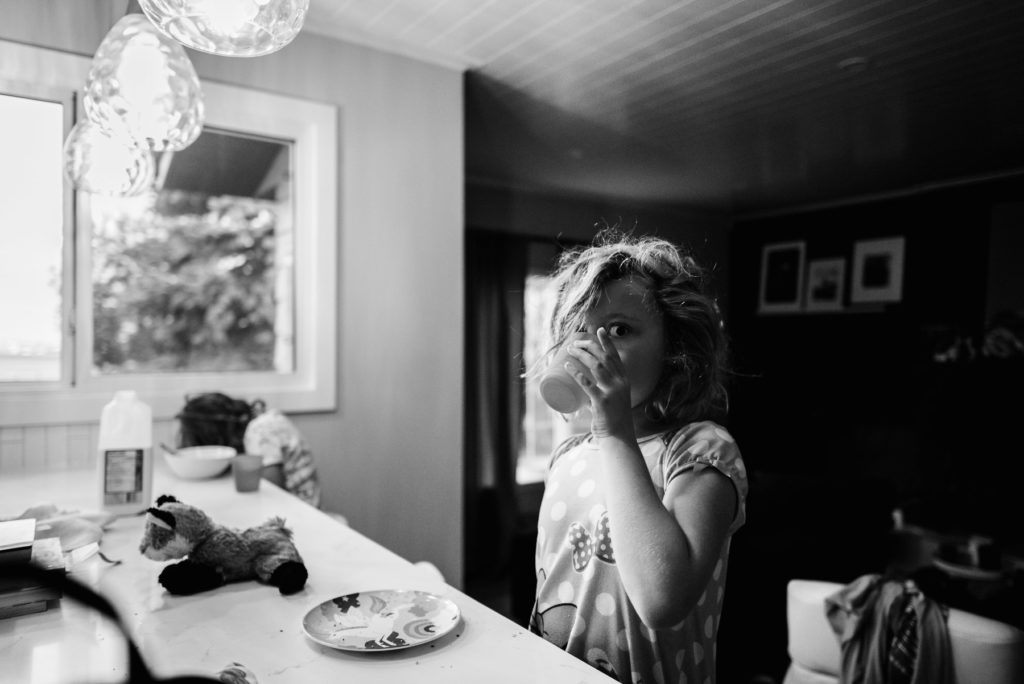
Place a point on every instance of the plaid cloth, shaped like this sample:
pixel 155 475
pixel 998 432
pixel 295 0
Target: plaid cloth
pixel 889 633
pixel 902 640
pixel 904 633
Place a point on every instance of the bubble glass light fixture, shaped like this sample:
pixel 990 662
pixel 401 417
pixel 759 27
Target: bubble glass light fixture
pixel 143 85
pixel 98 162
pixel 230 28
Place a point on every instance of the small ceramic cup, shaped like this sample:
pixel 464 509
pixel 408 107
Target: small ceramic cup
pixel 559 389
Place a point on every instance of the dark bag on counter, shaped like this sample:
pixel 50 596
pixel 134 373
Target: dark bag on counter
pixel 215 418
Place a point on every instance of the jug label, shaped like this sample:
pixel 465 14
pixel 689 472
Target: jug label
pixel 122 476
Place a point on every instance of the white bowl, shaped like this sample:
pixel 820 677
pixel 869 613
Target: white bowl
pixel 199 462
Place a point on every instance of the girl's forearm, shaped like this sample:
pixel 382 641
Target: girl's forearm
pixel 652 551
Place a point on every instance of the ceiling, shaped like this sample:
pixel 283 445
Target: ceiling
pixel 733 105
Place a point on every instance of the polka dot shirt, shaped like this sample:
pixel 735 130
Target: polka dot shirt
pixel 581 605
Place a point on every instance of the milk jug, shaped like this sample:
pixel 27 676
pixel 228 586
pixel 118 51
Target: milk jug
pixel 125 463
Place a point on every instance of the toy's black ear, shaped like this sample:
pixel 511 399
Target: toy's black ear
pixel 163 516
pixel 165 498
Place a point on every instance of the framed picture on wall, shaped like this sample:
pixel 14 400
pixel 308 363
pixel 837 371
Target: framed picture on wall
pixel 877 270
pixel 825 281
pixel 782 278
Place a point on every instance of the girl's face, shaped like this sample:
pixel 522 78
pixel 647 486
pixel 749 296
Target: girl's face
pixel 637 332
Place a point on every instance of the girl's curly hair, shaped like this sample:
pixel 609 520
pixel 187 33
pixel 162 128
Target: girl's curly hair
pixel 692 383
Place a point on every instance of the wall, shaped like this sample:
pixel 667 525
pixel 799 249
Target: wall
pixel 872 364
pixel 844 416
pixel 391 455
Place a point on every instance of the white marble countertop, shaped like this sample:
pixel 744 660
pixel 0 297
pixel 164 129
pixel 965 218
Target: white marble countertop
pixel 248 622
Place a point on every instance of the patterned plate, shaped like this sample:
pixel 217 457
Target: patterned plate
pixel 384 620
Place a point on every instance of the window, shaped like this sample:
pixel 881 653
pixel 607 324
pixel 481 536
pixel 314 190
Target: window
pixel 543 428
pixel 198 277
pixel 223 280
pixel 32 217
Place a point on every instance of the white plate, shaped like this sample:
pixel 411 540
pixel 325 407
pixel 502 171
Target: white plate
pixel 381 620
pixel 966 571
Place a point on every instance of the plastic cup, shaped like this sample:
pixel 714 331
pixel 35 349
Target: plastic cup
pixel 559 389
pixel 247 470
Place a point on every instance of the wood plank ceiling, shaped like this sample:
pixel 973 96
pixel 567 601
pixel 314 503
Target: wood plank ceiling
pixel 735 105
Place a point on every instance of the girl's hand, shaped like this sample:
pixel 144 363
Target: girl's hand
pixel 605 382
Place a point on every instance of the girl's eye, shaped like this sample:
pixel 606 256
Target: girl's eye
pixel 618 330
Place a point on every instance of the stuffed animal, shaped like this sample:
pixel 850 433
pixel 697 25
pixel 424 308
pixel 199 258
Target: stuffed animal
pixel 214 554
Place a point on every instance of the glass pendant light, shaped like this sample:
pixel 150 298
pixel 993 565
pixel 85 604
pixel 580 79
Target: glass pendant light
pixel 142 85
pixel 98 162
pixel 230 28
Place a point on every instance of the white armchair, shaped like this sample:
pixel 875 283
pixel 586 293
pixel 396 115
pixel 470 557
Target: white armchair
pixel 984 651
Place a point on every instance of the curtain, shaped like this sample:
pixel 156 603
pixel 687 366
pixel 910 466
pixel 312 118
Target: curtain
pixel 495 271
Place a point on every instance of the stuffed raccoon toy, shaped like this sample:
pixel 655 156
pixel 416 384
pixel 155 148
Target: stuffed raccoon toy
pixel 214 554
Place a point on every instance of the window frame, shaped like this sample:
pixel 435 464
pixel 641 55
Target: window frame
pixel 312 127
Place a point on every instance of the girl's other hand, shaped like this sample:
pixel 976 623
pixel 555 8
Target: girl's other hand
pixel 605 382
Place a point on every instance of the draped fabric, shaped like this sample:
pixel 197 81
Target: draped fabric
pixel 890 633
pixel 495 271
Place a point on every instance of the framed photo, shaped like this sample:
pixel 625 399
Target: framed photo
pixel 782 278
pixel 877 270
pixel 825 281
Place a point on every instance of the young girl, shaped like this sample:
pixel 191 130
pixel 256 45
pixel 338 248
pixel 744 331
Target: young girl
pixel 634 528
